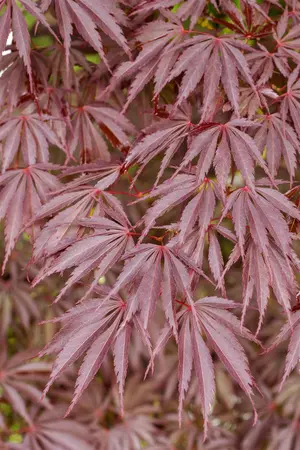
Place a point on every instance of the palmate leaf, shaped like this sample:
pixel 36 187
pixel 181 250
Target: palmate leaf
pixel 261 273
pixel 155 60
pixel 296 11
pixel 77 200
pixel 197 213
pixel 93 328
pixel 195 247
pixel 261 211
pixel 146 280
pixel 54 104
pixel 137 426
pixel 33 183
pixel 87 328
pixel 96 252
pixel 288 398
pixel 189 9
pixel 19 377
pixel 14 19
pixel 14 77
pixel 250 101
pixel 28 135
pixel 212 201
pixel 291 100
pixel 214 320
pixel 223 55
pixel 49 431
pixel 130 433
pixel 138 405
pixel 259 12
pixel 84 135
pixel 217 144
pixel 216 437
pixel 86 17
pixel 263 63
pixel 166 136
pixel 57 65
pixel 16 300
pixel 269 249
pixel 244 20
pixel 280 140
pixel 286 437
pixel 287 39
pixel 171 193
pixel 292 333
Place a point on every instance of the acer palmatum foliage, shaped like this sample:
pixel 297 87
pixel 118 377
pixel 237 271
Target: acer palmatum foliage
pixel 150 206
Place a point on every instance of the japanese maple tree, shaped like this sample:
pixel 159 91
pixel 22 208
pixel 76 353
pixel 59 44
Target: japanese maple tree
pixel 150 214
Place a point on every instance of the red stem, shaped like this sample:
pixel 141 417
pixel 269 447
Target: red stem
pixel 123 193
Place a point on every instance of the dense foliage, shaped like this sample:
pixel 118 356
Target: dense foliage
pixel 150 212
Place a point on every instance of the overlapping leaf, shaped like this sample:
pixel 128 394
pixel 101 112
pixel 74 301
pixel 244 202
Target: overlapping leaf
pixel 217 144
pixel 292 333
pixel 93 328
pixel 244 21
pixel 33 183
pixel 251 102
pixel 27 136
pixel 85 135
pixel 194 246
pixel 190 9
pixel 58 73
pixel 261 211
pixel 91 333
pixel 220 327
pixel 16 388
pixel 13 18
pixel 14 79
pixel 86 17
pixel 16 300
pixel 263 63
pixel 224 57
pixel 77 199
pixel 93 253
pixel 166 136
pixel 198 212
pixel 287 39
pixel 261 272
pixel 55 97
pixel 280 140
pixel 146 280
pixel 155 60
pixel 291 100
pixel 49 430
